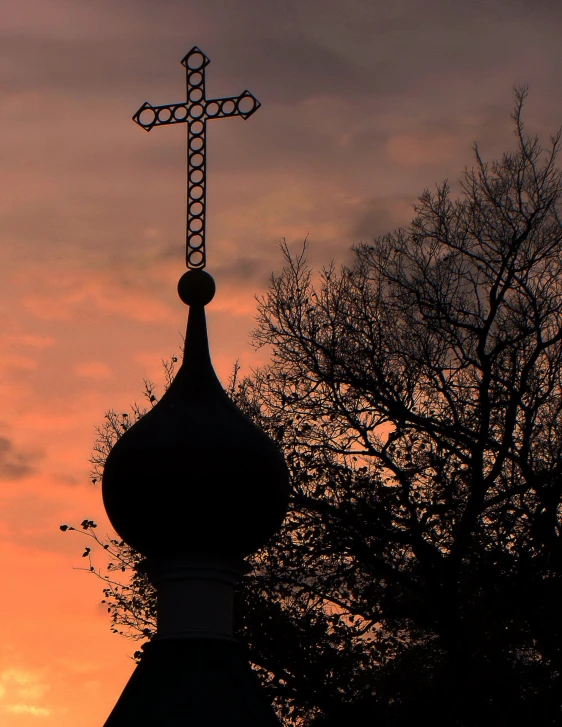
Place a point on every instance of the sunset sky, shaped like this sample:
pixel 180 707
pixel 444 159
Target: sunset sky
pixel 364 104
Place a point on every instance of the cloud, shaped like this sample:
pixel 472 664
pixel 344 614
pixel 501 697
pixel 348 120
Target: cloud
pixel 27 339
pixel 380 216
pixel 21 688
pixel 95 370
pixel 81 294
pixel 15 464
pixel 28 709
pixel 17 363
pixel 429 148
pixel 242 270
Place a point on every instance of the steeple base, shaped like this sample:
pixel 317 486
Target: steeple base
pixel 193 683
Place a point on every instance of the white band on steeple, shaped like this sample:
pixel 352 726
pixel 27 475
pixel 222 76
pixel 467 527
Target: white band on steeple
pixel 195 596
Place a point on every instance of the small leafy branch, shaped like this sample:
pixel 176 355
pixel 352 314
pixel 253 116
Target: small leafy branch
pixel 124 580
pixel 123 577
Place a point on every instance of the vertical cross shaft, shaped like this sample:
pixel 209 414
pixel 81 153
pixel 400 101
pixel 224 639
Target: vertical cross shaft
pixel 194 112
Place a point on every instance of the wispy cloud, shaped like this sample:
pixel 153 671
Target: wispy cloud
pixel 28 709
pixel 15 463
pixel 20 690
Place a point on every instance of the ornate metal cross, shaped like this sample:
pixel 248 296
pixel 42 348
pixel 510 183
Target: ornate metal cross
pixel 194 112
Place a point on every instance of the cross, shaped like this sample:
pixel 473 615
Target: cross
pixel 195 111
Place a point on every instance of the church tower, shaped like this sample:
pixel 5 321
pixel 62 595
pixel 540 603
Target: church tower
pixel 195 487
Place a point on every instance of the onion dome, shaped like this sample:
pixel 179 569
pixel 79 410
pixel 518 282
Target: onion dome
pixel 194 476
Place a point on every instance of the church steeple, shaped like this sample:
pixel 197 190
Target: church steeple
pixel 195 476
pixel 195 487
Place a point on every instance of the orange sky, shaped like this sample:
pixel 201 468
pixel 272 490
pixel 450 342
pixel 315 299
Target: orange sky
pixel 364 105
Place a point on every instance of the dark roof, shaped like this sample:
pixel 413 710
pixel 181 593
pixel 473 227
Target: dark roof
pixel 193 683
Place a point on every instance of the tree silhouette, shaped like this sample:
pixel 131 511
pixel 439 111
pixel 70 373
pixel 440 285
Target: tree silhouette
pixel 417 396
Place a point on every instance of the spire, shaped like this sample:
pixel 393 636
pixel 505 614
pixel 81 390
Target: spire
pixel 195 487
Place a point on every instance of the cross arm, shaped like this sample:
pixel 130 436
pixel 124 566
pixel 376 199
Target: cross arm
pixel 149 116
pixel 244 105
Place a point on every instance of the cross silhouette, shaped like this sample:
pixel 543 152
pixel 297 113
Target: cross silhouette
pixel 194 112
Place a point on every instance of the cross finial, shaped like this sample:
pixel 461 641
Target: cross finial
pixel 194 112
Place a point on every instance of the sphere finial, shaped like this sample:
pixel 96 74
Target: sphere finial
pixel 196 287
